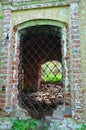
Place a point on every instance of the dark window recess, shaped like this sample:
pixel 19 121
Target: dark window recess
pixel 40 69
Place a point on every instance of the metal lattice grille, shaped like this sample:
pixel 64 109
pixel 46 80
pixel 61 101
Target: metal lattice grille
pixel 40 68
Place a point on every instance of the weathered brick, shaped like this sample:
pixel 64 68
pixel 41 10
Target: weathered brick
pixel 74 22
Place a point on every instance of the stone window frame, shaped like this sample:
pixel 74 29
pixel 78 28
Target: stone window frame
pixel 65 53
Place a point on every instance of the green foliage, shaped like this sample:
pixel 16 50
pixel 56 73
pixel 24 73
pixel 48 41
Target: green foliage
pixel 52 78
pixel 28 124
pixel 1 17
pixel 51 71
pixel 83 127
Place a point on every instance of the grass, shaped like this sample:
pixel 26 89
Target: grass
pixel 52 78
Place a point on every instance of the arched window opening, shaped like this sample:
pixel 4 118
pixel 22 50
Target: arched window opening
pixel 51 71
pixel 40 69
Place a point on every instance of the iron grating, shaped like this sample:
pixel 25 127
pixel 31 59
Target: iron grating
pixel 40 69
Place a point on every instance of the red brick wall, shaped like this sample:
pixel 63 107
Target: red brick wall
pixel 10 56
pixel 76 61
pixel 5 56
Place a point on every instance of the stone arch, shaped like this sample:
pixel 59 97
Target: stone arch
pixel 44 61
pixel 64 49
pixel 35 22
